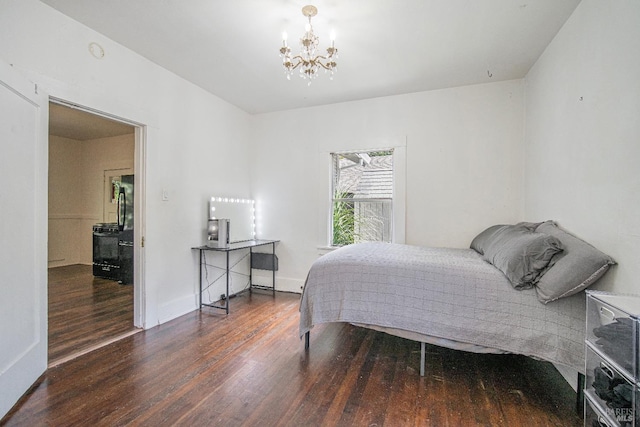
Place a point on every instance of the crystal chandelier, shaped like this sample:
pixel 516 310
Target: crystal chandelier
pixel 307 60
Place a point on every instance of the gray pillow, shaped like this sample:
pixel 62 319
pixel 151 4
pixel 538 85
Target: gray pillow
pixel 521 254
pixel 579 266
pixel 485 238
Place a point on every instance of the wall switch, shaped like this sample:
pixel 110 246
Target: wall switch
pixel 165 195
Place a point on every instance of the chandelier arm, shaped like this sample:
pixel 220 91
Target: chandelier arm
pixel 300 60
pixel 327 67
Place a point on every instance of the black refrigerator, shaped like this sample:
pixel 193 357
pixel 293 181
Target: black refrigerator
pixel 125 226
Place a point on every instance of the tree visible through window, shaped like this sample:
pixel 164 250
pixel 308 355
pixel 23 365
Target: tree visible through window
pixel 362 201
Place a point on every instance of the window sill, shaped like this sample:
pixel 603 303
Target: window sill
pixel 323 250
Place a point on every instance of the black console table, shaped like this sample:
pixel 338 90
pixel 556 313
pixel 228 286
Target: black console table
pixel 235 246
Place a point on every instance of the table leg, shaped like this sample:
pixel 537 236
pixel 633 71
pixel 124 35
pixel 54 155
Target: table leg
pixel 200 279
pixel 273 269
pixel 250 270
pixel 228 299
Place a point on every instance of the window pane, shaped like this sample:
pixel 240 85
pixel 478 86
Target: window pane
pixel 362 197
pixel 343 223
pixel 372 221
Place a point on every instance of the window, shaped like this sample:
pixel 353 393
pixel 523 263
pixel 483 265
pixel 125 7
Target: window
pixel 362 197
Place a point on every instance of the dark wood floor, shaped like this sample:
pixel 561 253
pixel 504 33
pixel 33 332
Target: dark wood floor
pixel 85 311
pixel 250 368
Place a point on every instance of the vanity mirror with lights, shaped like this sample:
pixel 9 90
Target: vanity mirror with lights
pixel 239 212
pixel 238 216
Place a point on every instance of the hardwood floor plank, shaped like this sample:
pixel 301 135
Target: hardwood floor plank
pixel 85 310
pixel 378 384
pixel 250 368
pixel 319 373
pixel 400 407
pixel 341 412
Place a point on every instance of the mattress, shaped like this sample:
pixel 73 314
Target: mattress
pixel 444 296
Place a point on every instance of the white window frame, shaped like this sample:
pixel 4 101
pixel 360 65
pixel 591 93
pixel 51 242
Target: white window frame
pixel 325 191
pixel 388 201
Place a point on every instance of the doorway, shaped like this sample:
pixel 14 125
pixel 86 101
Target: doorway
pixel 87 153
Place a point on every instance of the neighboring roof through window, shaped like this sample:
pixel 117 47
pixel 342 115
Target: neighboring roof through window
pixel 366 177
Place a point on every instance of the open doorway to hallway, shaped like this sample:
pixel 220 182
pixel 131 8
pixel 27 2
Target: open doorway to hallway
pixel 88 156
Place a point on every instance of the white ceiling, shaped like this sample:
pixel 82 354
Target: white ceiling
pixel 71 123
pixel 386 47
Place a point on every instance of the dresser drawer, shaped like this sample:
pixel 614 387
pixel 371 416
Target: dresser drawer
pixel 593 416
pixel 614 394
pixel 614 330
pixel 596 416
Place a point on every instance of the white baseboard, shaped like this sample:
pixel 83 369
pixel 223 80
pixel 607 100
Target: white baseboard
pixel 63 263
pixel 177 308
pixel 284 284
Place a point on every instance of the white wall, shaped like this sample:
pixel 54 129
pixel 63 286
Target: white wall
pixel 65 201
pixel 464 167
pixel 196 144
pixel 583 134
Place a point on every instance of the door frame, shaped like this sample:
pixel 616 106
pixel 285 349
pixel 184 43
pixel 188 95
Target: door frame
pixel 139 167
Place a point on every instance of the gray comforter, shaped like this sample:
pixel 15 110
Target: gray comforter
pixel 443 293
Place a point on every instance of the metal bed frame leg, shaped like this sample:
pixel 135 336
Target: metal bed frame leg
pixel 580 394
pixel 306 340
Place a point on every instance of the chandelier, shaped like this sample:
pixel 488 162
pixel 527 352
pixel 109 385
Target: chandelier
pixel 307 60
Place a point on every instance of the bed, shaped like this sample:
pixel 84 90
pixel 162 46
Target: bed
pixel 475 299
